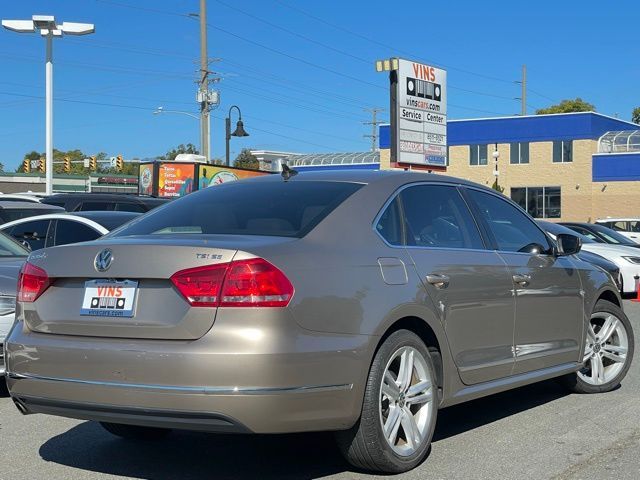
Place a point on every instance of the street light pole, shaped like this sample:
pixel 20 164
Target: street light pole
pixel 49 116
pixel 49 29
pixel 238 132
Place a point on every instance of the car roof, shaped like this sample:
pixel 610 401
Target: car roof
pixel 56 216
pixel 368 177
pixel 103 196
pixel 21 196
pixel 619 219
pixel 30 205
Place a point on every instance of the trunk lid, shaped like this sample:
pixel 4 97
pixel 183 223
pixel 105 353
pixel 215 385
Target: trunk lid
pixel 160 311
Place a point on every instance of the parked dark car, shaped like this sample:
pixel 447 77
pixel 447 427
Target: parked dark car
pixel 601 233
pixel 82 202
pixel 10 211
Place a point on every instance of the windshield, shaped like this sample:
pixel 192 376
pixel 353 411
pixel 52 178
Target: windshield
pixel 289 209
pixel 611 236
pixel 11 248
pixel 554 230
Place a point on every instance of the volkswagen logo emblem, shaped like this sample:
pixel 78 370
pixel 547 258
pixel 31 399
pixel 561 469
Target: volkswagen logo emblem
pixel 103 260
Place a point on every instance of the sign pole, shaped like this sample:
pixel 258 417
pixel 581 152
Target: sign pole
pixel 393 114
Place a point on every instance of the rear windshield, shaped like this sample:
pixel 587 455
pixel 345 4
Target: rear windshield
pixel 11 214
pixel 288 209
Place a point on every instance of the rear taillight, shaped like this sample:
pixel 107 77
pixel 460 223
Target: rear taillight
pixel 200 286
pixel 243 283
pixel 32 283
pixel 255 283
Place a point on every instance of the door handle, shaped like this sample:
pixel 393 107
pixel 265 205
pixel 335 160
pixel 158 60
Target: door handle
pixel 522 280
pixel 438 280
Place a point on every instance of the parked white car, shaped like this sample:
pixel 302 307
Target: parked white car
pixel 629 227
pixel 626 258
pixel 63 228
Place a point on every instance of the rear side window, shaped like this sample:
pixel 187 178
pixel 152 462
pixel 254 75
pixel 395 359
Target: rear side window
pixel 273 208
pixel 389 225
pixel 68 231
pixel 130 207
pixel 437 216
pixel 95 206
pixel 512 229
pixel 33 233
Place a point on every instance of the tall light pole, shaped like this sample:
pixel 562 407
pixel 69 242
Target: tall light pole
pixel 238 132
pixel 205 130
pixel 49 29
pixel 160 110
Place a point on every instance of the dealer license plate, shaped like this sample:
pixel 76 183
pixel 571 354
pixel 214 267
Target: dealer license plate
pixel 109 298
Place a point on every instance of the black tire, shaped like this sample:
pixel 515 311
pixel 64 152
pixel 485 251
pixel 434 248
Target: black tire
pixel 576 384
pixel 135 432
pixel 364 445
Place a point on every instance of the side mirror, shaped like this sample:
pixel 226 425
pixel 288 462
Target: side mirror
pixel 567 244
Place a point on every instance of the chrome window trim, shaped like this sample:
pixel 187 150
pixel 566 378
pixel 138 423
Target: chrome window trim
pixel 206 390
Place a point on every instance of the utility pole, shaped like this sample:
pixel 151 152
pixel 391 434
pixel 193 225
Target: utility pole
pixel 523 96
pixel 374 126
pixel 204 83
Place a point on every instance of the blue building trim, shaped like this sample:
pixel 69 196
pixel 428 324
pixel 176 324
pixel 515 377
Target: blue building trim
pixel 615 167
pixel 535 128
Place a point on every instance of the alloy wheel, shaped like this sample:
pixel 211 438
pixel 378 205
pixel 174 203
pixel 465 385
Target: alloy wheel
pixel 406 401
pixel 606 349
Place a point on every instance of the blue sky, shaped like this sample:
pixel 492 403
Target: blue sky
pixel 302 72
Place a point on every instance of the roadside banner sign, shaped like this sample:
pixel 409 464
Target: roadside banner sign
pixel 420 114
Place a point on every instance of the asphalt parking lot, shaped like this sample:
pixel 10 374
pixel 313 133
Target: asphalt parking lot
pixel 538 431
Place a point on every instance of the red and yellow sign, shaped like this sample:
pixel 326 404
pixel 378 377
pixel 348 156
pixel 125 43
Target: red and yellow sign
pixel 175 179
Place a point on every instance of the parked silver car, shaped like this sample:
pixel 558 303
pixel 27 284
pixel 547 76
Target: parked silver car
pixel 12 257
pixel 358 302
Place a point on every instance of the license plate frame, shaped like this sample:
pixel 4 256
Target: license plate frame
pixel 118 299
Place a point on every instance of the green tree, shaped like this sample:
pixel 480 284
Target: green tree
pixel 635 116
pixel 567 106
pixel 497 187
pixel 246 159
pixel 173 153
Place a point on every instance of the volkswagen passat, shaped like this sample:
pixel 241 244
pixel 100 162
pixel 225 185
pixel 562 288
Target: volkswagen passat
pixel 355 302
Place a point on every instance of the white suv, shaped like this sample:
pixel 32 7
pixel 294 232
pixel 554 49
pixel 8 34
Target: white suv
pixel 629 227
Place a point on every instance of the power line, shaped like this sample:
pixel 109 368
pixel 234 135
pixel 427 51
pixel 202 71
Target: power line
pixel 302 60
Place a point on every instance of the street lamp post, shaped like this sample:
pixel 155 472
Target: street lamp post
pixel 49 29
pixel 160 110
pixel 238 132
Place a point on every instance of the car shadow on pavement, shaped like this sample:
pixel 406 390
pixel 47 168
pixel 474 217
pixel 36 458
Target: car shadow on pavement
pixel 189 455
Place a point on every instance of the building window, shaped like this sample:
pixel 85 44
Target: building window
pixel 539 202
pixel 519 152
pixel 562 151
pixel 478 155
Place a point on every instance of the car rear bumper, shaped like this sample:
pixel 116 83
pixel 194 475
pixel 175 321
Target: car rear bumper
pixel 302 382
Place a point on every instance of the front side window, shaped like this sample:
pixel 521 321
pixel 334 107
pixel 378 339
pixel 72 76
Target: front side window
pixel 539 202
pixel 478 155
pixel 512 230
pixel 519 152
pixel 68 231
pixel 562 151
pixel 437 216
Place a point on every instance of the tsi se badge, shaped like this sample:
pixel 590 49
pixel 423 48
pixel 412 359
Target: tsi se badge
pixel 103 260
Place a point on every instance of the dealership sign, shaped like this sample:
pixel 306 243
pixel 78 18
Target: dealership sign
pixel 420 114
